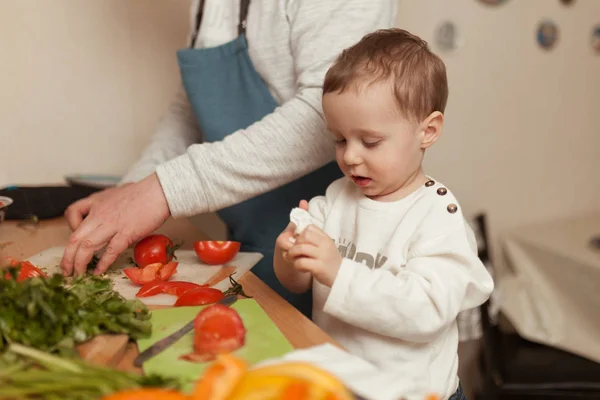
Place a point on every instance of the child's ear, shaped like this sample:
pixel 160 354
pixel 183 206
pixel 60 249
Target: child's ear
pixel 431 129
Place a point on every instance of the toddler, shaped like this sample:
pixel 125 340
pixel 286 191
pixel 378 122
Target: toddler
pixel 389 256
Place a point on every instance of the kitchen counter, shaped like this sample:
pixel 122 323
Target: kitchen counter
pixel 27 240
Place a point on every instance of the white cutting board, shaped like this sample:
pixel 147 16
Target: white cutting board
pixel 190 269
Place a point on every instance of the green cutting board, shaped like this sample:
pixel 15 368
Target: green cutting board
pixel 263 340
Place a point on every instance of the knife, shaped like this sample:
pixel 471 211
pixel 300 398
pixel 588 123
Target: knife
pixel 162 344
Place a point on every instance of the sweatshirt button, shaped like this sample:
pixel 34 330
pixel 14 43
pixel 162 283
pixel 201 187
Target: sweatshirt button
pixel 429 183
pixel 452 208
pixel 442 191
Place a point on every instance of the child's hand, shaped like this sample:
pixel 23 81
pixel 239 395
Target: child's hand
pixel 315 252
pixel 286 239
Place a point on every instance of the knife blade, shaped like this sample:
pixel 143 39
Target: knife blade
pixel 162 344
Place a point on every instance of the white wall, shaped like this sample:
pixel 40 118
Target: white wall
pixel 522 140
pixel 85 82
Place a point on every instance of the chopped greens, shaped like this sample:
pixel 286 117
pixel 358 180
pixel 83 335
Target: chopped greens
pixel 56 313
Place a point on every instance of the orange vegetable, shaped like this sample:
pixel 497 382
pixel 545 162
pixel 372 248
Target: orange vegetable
pixel 297 390
pixel 291 379
pixel 220 378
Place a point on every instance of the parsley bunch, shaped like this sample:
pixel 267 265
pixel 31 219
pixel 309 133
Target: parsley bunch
pixel 56 313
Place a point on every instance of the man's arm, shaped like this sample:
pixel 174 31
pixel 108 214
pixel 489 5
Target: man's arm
pixel 290 142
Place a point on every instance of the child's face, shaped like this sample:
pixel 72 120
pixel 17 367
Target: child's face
pixel 376 147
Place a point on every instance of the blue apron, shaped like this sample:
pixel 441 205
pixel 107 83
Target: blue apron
pixel 227 94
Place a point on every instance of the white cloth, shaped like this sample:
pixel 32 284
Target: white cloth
pixel 292 43
pixel 549 283
pixel 409 268
pixel 301 218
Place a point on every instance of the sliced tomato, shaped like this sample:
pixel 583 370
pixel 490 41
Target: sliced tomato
pixel 214 252
pixel 154 249
pixel 218 329
pixel 167 271
pixel 198 357
pixel 178 288
pixel 144 275
pixel 151 288
pixel 157 286
pixel 151 272
pixel 199 297
pixel 27 269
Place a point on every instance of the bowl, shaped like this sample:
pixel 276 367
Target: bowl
pixel 4 203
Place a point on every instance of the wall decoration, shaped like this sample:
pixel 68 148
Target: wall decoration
pixel 493 2
pixel 547 34
pixel 447 36
pixel 596 39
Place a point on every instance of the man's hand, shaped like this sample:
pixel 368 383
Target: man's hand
pixel 315 252
pixel 114 218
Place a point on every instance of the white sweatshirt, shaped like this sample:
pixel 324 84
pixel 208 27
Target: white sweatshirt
pixel 292 43
pixel 409 268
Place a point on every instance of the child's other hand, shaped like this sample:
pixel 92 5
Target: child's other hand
pixel 286 239
pixel 315 252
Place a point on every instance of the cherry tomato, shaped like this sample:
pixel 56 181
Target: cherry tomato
pixel 199 297
pixel 176 288
pixel 27 270
pixel 151 272
pixel 218 329
pixel 214 252
pixel 154 249
pixel 168 270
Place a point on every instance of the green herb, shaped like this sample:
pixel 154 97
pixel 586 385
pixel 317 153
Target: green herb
pixel 56 313
pixel 236 288
pixel 29 373
pixel 171 250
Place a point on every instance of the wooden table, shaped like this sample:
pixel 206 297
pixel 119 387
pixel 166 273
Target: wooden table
pixel 25 241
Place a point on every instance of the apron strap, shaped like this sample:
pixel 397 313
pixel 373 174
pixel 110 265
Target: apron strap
pixel 244 4
pixel 243 15
pixel 197 24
